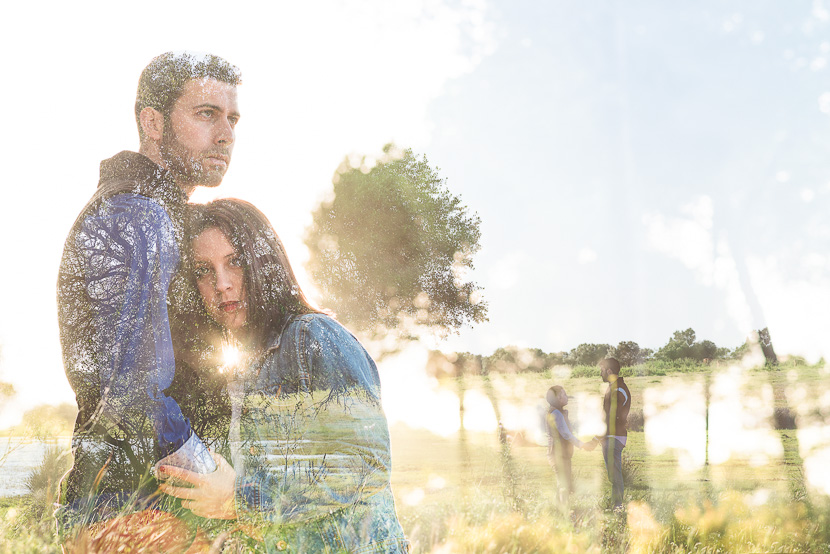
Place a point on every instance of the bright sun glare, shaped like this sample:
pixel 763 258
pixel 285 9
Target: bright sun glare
pixel 230 357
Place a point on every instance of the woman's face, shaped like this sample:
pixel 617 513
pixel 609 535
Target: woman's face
pixel 220 278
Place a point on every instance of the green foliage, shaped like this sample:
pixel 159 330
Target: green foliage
pixel 20 534
pixel 42 482
pixel 629 353
pixel 390 250
pixel 731 524
pixel 48 421
pixel 682 354
pixel 508 359
pixel 741 351
pixel 588 354
pixel 651 368
pixel 513 359
pixel 683 345
pixel 586 371
pixel 679 346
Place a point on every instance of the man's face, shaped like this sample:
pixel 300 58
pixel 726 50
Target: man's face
pixel 198 136
pixel 604 373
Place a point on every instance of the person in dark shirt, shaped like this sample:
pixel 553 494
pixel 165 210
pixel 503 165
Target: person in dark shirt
pixel 120 266
pixel 616 405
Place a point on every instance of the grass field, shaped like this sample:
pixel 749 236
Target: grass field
pixel 750 488
pixel 470 493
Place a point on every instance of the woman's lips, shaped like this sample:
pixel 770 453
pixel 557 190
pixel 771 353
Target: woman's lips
pixel 228 307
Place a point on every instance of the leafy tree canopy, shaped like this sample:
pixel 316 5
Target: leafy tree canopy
pixel 588 354
pixel 629 353
pixel 683 345
pixel 391 249
pixel 48 420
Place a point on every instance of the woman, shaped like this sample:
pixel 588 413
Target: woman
pixel 561 440
pixel 310 443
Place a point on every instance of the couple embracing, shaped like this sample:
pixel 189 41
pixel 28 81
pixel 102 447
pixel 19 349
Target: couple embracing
pixel 218 409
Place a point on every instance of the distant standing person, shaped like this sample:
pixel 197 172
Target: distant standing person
pixel 561 440
pixel 616 405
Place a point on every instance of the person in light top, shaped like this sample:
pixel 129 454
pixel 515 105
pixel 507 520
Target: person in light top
pixel 561 440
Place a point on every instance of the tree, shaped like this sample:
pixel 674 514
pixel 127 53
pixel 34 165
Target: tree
pixel 628 353
pixel 765 341
pixel 682 345
pixel 513 359
pixel 391 248
pixel 679 346
pixel 705 349
pixel 48 421
pixel 588 354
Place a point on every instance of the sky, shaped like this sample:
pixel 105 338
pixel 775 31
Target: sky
pixel 638 168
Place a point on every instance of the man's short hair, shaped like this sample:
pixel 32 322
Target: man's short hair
pixel 612 365
pixel 162 81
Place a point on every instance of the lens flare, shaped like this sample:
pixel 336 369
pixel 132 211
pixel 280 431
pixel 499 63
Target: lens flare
pixel 231 356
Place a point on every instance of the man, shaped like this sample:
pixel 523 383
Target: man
pixel 616 405
pixel 120 261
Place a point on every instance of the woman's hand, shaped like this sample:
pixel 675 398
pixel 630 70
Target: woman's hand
pixel 209 495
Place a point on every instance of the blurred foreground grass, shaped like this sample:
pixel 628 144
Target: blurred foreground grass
pixel 482 492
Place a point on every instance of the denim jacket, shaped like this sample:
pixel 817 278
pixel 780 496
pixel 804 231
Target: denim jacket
pixel 312 456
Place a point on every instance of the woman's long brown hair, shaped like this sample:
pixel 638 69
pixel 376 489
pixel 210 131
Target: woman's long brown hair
pixel 273 293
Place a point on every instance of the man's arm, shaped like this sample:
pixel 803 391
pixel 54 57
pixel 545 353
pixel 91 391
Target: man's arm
pixel 130 256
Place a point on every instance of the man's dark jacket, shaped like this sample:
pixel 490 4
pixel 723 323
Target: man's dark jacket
pixel 120 261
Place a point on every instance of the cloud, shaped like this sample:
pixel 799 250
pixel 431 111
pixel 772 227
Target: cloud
pixel 796 308
pixel 687 239
pixel 691 240
pixel 587 255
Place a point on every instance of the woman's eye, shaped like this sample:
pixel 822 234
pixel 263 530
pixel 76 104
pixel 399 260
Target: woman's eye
pixel 236 261
pixel 200 272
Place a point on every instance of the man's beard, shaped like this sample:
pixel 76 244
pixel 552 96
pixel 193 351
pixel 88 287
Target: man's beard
pixel 183 164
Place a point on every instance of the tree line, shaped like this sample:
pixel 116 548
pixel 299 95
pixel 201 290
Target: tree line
pixel 683 346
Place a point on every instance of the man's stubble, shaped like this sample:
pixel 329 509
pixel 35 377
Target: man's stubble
pixel 185 165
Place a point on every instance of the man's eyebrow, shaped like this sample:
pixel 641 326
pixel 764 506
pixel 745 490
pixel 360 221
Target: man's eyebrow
pixel 207 105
